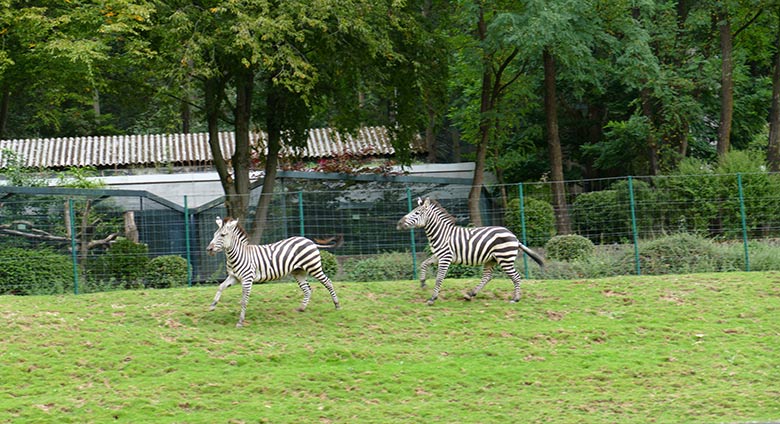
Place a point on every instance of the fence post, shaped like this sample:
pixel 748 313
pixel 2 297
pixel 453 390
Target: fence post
pixel 73 246
pixel 522 227
pixel 633 225
pixel 300 212
pixel 187 241
pixel 411 232
pixel 744 221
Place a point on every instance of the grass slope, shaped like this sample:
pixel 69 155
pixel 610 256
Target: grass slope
pixel 695 348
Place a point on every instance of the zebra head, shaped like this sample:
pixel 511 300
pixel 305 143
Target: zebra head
pixel 226 231
pixel 418 217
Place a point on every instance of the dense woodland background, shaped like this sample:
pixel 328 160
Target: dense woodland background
pixel 542 89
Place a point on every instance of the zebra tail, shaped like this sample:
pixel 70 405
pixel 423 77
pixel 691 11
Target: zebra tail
pixel 330 242
pixel 535 256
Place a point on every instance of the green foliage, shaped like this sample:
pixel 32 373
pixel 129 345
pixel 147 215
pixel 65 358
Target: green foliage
pixel 330 265
pixel 166 271
pixel 705 198
pixel 539 220
pixel 125 264
pixel 34 271
pixel 605 216
pixel 387 266
pixel 79 178
pixel 568 247
pixel 678 254
pixel 16 173
pixel 595 214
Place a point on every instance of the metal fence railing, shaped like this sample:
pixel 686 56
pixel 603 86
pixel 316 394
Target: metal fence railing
pixel 92 240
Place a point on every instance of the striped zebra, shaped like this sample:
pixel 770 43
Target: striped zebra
pixel 452 244
pixel 260 263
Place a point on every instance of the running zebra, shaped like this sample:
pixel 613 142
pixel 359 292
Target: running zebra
pixel 452 244
pixel 260 263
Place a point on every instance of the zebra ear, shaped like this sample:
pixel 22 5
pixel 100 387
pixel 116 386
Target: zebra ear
pixel 219 222
pixel 419 201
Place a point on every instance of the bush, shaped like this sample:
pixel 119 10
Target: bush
pixel 330 265
pixel 678 254
pixel 387 266
pixel 593 215
pixel 124 263
pixel 605 216
pixel 569 248
pixel 34 271
pixel 166 272
pixel 539 220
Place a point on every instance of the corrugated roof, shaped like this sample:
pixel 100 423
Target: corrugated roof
pixel 181 149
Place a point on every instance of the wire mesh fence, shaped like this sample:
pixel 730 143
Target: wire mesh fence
pixel 55 240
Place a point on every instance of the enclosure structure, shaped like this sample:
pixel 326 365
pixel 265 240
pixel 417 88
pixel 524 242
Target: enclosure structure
pixel 108 239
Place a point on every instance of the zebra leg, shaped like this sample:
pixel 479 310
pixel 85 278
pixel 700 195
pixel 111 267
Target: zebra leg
pixel 487 274
pixel 300 276
pixel 424 269
pixel 509 269
pixel 246 286
pixel 444 265
pixel 229 281
pixel 329 285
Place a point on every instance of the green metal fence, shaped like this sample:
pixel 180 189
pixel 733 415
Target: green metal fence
pixel 90 231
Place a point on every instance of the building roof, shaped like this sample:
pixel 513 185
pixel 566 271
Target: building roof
pixel 182 149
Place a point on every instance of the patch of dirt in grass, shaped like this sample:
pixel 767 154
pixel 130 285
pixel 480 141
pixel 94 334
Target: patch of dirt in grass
pixel 555 315
pixel 672 297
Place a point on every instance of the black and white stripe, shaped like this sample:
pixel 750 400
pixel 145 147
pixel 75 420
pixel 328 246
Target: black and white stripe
pixel 247 263
pixel 452 244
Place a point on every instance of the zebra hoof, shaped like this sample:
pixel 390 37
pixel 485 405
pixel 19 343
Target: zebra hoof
pixel 212 307
pixel 514 301
pixel 423 285
pixel 430 302
pixel 468 296
pixel 300 309
pixel 338 306
pixel 240 325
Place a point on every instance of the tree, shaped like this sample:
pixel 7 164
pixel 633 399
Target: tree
pixel 486 67
pixel 57 59
pixel 282 64
pixel 773 148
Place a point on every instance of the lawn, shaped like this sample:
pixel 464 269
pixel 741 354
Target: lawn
pixel 699 348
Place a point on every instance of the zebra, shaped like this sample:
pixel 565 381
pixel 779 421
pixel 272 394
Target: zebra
pixel 452 244
pixel 260 263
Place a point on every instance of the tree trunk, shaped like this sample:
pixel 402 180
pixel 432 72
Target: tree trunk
pixel 727 84
pixel 5 100
pixel 241 156
pixel 430 135
pixel 186 116
pixel 212 96
pixel 274 144
pixel 486 106
pixel 85 233
pixel 562 222
pixel 652 145
pixel 773 149
pixel 96 103
pixel 131 230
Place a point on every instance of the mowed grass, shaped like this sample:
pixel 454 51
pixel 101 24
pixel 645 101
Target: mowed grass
pixel 695 348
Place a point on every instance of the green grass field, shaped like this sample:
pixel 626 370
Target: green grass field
pixel 696 348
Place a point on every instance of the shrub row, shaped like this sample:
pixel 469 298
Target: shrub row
pixel 573 256
pixel 44 271
pixel 25 271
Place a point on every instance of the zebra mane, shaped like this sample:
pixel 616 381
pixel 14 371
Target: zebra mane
pixel 241 231
pixel 446 215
